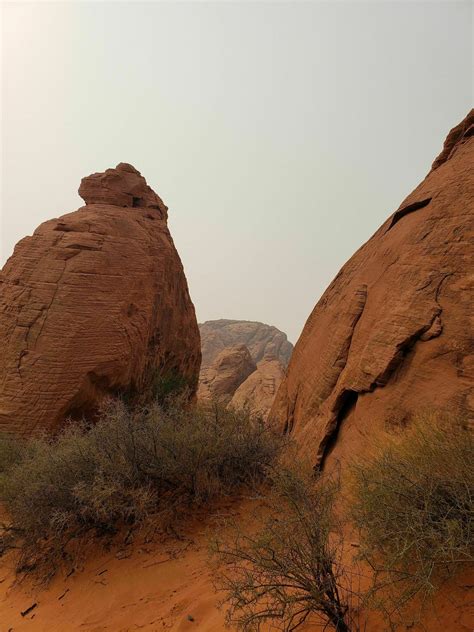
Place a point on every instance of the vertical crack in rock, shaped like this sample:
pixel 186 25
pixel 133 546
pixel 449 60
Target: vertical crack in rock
pixel 356 311
pixel 347 398
pixel 290 416
pixel 341 352
pixel 345 403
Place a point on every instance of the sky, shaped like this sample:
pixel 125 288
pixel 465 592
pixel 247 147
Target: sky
pixel 280 134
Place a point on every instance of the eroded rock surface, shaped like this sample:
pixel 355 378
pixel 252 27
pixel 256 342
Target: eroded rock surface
pixel 258 391
pixel 93 303
pixel 393 334
pixel 230 369
pixel 216 335
pixel 253 353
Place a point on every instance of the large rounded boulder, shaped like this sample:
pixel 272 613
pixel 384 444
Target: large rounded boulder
pixel 229 370
pixel 392 336
pixel 94 303
pixel 258 391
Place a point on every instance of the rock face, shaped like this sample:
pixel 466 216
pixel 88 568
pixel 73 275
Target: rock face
pixel 393 333
pixel 253 353
pixel 259 338
pixel 94 303
pixel 231 367
pixel 258 391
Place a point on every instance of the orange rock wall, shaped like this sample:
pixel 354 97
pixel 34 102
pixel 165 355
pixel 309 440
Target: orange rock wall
pixel 393 333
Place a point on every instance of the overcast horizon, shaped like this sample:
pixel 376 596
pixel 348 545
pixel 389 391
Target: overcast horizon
pixel 280 135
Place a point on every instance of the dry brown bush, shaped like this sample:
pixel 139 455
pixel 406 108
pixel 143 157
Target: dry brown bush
pixel 414 510
pixel 129 466
pixel 290 571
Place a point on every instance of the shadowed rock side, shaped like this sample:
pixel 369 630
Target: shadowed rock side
pixel 95 302
pixel 229 370
pixel 216 335
pixel 258 391
pixel 392 335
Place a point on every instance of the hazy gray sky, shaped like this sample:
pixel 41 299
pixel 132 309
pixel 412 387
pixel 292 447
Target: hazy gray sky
pixel 281 135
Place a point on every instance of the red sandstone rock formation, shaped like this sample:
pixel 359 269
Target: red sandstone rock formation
pixel 216 335
pixel 258 391
pixel 393 333
pixel 231 367
pixel 95 302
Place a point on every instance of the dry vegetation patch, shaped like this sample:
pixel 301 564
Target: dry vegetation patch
pixel 412 503
pixel 290 571
pixel 414 510
pixel 157 462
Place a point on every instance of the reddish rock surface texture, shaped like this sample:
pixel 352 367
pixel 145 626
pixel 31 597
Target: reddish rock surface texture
pixel 95 302
pixel 393 334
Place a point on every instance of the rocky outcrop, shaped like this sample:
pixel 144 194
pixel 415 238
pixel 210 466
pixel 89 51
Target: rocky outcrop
pixel 231 351
pixel 258 391
pixel 456 137
pixel 216 335
pixel 393 333
pixel 122 186
pixel 229 370
pixel 94 303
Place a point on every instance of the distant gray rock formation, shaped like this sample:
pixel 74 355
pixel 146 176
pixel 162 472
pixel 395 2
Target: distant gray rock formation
pixel 260 339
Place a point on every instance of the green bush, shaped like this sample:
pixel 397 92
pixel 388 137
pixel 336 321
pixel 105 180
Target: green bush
pixel 289 572
pixel 128 466
pixel 414 508
pixel 168 385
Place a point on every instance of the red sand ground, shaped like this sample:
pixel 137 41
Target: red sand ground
pixel 162 586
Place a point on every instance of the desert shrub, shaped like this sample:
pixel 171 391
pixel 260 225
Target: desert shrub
pixel 11 451
pixel 414 508
pixel 169 386
pixel 289 571
pixel 128 466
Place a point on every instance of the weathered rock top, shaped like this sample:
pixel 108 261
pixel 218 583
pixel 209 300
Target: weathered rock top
pixel 123 186
pixel 457 136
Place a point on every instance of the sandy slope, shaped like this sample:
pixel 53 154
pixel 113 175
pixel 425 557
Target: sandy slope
pixel 160 586
pixel 142 586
